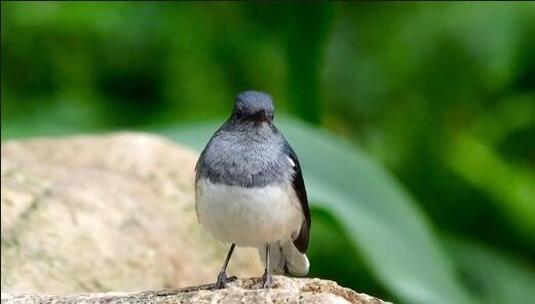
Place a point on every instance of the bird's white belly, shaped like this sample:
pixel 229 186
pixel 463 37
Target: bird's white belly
pixel 248 216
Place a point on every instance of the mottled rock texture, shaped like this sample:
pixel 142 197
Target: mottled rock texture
pixel 116 213
pixel 285 290
pixel 103 213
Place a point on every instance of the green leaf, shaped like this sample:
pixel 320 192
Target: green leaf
pixel 495 277
pixel 510 185
pixel 384 223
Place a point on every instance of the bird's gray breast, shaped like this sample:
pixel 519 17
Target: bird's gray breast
pixel 247 159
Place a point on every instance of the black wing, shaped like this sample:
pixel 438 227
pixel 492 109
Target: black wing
pixel 301 242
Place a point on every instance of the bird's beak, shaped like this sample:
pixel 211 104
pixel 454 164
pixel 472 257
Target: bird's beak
pixel 260 116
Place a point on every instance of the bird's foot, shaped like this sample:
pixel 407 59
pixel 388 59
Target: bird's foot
pixel 222 280
pixel 268 280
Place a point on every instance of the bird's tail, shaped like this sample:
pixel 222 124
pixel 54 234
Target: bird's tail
pixel 284 258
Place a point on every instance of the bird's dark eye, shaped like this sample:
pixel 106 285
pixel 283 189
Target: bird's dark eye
pixel 238 114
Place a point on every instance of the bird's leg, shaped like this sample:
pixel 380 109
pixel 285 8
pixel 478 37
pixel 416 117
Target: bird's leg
pixel 268 281
pixel 222 278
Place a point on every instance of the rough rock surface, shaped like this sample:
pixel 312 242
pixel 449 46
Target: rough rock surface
pixel 116 212
pixel 103 213
pixel 285 290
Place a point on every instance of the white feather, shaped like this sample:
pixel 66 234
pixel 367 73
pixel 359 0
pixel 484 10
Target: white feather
pixel 248 216
pixel 291 162
pixel 285 256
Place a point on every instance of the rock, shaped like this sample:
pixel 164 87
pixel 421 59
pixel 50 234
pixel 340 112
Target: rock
pixel 103 213
pixel 285 290
pixel 116 212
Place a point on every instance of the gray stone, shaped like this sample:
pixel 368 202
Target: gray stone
pixel 116 212
pixel 285 290
pixel 103 213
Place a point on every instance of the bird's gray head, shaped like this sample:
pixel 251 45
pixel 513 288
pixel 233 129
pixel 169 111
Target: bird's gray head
pixel 253 106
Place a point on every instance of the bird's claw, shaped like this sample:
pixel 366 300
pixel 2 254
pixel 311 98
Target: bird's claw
pixel 222 280
pixel 268 280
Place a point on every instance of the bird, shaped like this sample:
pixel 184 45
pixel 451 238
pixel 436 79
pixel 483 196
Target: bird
pixel 250 192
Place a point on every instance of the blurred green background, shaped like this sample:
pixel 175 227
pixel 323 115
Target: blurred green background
pixel 433 106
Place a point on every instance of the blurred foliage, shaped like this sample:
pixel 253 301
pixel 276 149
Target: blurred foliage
pixel 443 95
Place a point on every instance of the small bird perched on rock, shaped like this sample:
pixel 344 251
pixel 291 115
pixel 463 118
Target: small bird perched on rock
pixel 249 190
